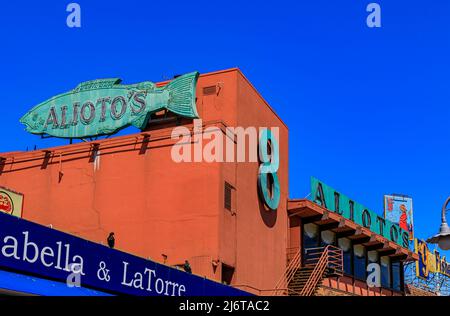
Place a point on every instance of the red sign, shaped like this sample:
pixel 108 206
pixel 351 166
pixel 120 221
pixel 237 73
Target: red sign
pixel 6 203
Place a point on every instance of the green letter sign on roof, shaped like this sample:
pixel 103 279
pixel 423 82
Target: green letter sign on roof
pixel 105 106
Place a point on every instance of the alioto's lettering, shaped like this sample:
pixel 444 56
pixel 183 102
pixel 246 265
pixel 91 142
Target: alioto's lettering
pixel 328 198
pixel 94 111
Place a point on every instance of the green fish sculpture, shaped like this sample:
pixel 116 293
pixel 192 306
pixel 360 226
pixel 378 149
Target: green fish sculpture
pixel 104 106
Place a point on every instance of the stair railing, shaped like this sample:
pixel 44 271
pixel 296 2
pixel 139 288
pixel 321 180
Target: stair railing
pixel 293 264
pixel 321 259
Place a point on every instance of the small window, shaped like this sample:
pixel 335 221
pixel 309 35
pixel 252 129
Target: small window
pixel 346 245
pixel 227 274
pixel 209 90
pixel 310 240
pixel 385 271
pixel 359 262
pixel 228 196
pixel 396 275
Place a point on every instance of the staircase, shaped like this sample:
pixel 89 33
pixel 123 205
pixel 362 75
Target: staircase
pixel 319 263
pixel 293 263
pixel 322 262
pixel 299 281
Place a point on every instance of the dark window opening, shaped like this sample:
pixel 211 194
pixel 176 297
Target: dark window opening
pixel 228 195
pixel 347 258
pixel 359 262
pixel 347 254
pixel 396 275
pixel 310 239
pixel 227 274
pixel 385 272
pixel 209 90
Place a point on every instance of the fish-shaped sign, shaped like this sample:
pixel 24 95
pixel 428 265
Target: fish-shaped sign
pixel 104 106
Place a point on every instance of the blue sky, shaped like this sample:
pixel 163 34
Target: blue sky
pixel 367 109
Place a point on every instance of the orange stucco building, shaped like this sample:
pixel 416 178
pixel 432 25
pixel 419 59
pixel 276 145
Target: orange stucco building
pixel 206 212
pixel 130 185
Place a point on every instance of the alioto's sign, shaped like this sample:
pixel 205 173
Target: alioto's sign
pixel 101 107
pixel 30 248
pixel 341 204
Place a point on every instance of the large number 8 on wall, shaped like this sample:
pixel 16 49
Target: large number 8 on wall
pixel 268 183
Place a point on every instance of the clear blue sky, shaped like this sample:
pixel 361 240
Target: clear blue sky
pixel 368 109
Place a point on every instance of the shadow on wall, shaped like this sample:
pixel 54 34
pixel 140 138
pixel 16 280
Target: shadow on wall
pixel 268 216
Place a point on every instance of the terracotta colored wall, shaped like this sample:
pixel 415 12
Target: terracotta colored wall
pixel 152 204
pixel 261 233
pixel 155 205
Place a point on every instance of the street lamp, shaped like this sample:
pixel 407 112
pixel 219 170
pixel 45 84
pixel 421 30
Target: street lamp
pixel 443 238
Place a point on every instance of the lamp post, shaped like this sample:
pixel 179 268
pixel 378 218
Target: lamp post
pixel 443 238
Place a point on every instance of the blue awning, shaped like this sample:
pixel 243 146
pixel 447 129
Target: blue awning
pixel 25 284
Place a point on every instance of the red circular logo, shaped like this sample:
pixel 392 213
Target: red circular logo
pixel 6 203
